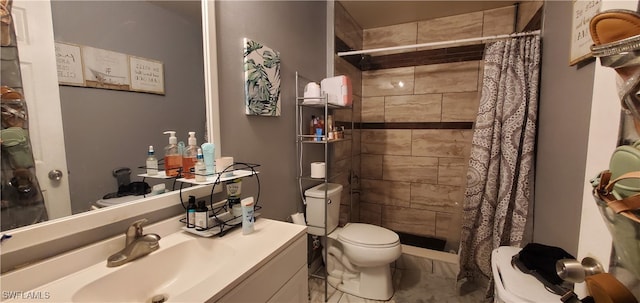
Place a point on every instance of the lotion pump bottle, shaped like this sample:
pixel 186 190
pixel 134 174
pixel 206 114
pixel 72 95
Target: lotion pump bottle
pixel 152 162
pixel 172 158
pixel 189 157
pixel 200 168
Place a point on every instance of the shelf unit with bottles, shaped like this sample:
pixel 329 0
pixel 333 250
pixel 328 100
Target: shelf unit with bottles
pixel 221 219
pixel 305 105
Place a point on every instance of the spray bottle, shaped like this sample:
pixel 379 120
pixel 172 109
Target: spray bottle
pixel 152 162
pixel 190 156
pixel 172 158
pixel 200 168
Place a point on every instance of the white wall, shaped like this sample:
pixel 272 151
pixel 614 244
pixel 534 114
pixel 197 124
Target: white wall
pixel 578 131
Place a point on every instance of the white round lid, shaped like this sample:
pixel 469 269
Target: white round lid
pixel 368 235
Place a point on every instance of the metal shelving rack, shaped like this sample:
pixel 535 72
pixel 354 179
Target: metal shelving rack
pixel 221 217
pixel 303 140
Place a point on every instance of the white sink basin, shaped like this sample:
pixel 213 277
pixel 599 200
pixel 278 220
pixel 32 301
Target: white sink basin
pixel 170 271
pixel 182 261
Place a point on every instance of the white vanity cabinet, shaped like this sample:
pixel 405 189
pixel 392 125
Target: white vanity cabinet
pixel 282 279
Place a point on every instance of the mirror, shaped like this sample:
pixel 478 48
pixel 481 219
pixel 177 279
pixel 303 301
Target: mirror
pixel 109 129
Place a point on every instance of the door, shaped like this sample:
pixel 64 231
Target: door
pixel 34 33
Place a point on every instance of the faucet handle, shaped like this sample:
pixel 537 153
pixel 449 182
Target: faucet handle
pixel 138 226
pixel 134 231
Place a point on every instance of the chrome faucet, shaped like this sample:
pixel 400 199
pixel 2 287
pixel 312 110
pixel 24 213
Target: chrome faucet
pixel 136 245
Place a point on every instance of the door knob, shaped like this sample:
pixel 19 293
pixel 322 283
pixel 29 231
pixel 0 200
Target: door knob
pixel 55 175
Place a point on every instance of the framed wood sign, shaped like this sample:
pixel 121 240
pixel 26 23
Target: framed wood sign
pixel 146 75
pixel 105 69
pixel 69 64
pixel 583 11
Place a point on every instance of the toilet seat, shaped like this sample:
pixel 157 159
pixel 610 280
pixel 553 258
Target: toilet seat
pixel 368 235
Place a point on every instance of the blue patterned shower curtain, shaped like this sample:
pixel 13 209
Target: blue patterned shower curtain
pixel 499 188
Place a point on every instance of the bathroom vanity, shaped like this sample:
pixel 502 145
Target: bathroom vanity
pixel 268 265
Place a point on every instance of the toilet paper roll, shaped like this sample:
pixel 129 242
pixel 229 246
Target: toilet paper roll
pixel 222 164
pixel 317 170
pixel 298 218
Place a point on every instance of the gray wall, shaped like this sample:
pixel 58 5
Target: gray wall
pixel 297 30
pixel 105 129
pixel 563 127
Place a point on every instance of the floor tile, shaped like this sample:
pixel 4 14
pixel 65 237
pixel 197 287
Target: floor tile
pixel 415 280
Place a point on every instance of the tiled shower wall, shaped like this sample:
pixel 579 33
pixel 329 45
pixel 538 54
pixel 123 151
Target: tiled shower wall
pixel 413 161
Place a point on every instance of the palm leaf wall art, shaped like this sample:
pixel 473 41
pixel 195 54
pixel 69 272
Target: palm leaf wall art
pixel 262 79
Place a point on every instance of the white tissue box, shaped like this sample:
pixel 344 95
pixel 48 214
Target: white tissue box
pixel 338 90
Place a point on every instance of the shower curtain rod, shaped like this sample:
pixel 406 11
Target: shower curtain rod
pixel 441 43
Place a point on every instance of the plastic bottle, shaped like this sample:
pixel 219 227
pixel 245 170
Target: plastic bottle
pixel 190 157
pixel 247 215
pixel 152 162
pixel 172 158
pixel 201 216
pixel 200 168
pixel 209 154
pixel 191 212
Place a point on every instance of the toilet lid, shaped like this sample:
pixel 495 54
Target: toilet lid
pixel 368 235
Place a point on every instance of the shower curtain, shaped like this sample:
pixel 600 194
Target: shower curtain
pixel 500 177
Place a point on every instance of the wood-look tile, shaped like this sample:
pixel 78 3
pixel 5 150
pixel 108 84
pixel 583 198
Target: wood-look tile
pixel 498 21
pixel 342 67
pixel 388 82
pixel 448 227
pixel 370 213
pixel 527 10
pixel 409 220
pixel 341 150
pixel 346 28
pixel 349 114
pixel 356 141
pixel 373 109
pixel 480 78
pixel 450 28
pixel 393 35
pixel 344 215
pixel 445 198
pixel 371 166
pixel 453 171
pixel 460 107
pixel 441 143
pixel 446 78
pixel 385 192
pixel 355 208
pixel 413 108
pixel 410 169
pixel 386 142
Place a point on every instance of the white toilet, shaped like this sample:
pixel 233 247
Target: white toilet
pixel 358 255
pixel 513 286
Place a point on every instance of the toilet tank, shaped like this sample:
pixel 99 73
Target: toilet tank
pixel 315 197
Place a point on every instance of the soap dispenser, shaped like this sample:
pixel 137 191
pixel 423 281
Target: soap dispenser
pixel 172 158
pixel 190 156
